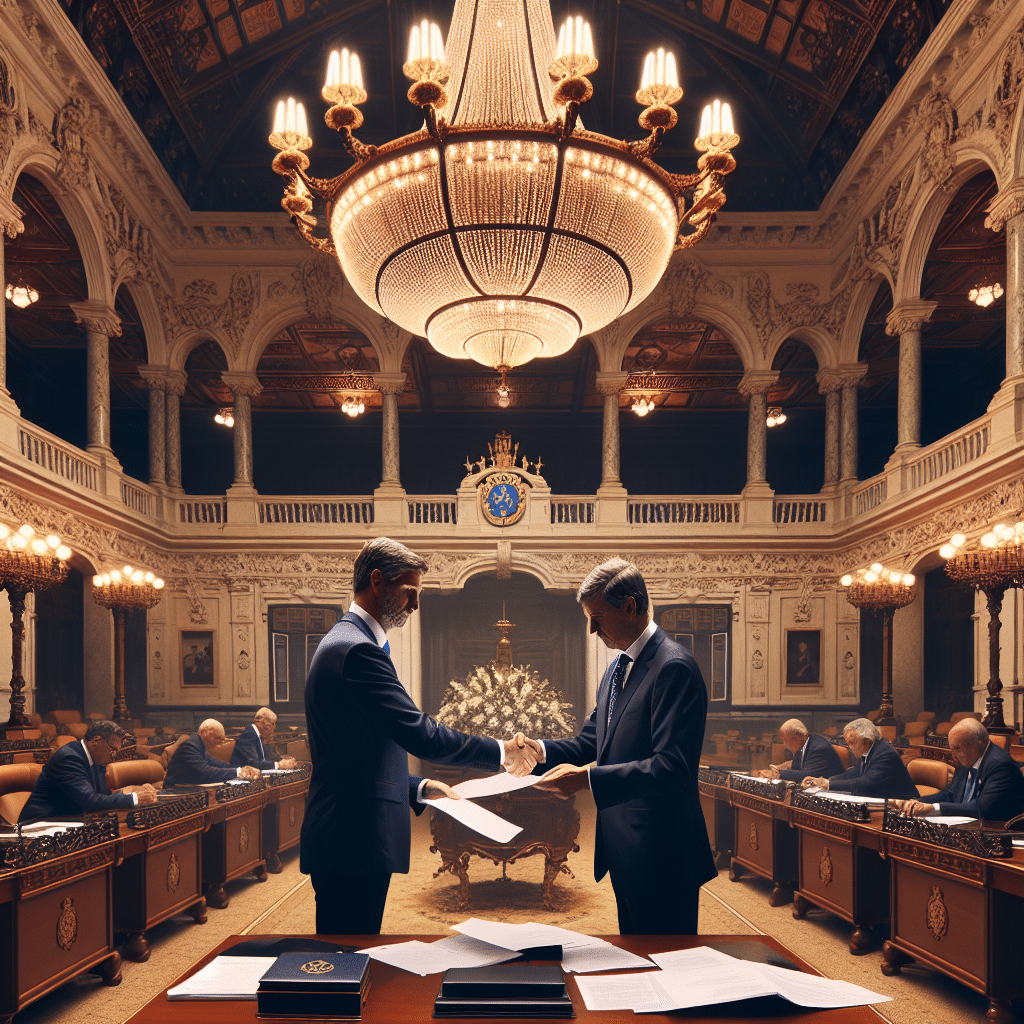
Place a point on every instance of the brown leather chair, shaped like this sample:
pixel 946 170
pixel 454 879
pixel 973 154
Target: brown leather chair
pixel 96 716
pixel 959 716
pixel 16 784
pixel 78 729
pixel 299 749
pixel 63 717
pixel 832 730
pixel 845 755
pixel 888 732
pixel 224 751
pixel 942 729
pixel 929 776
pixel 35 719
pixel 133 773
pixel 873 716
pixel 926 716
pixel 59 741
pixel 1000 739
pixel 914 733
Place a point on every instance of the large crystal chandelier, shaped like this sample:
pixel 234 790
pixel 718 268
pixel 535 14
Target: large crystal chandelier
pixel 502 231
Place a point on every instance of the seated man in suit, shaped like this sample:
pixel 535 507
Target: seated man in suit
pixel 73 779
pixel 193 762
pixel 249 747
pixel 986 784
pixel 812 754
pixel 879 771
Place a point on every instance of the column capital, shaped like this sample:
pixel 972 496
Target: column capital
pixel 10 219
pixel 389 383
pixel 155 377
pixel 175 382
pixel 850 375
pixel 611 382
pixel 1007 204
pixel 98 317
pixel 829 378
pixel 242 383
pixel 908 315
pixel 757 382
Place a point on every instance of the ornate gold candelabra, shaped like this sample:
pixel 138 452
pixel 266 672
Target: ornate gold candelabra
pixel 121 592
pixel 883 591
pixel 994 566
pixel 29 563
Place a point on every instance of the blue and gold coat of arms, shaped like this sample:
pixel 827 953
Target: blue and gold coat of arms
pixel 503 489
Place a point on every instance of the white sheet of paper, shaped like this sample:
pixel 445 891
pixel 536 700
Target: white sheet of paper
pixel 584 959
pixel 48 828
pixel 704 977
pixel 848 798
pixel 425 958
pixel 478 818
pixel 525 936
pixel 465 951
pixel 948 819
pixel 503 782
pixel 638 992
pixel 225 977
pixel 809 990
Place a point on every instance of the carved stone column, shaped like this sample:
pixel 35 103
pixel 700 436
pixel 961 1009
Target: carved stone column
pixel 755 386
pixel 1007 209
pixel 391 385
pixel 848 443
pixel 11 226
pixel 174 388
pixel 906 320
pixel 245 387
pixel 830 385
pixel 101 324
pixel 610 384
pixel 155 379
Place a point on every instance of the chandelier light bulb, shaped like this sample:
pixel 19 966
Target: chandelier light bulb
pixel 846 580
pixel 958 540
pixel 343 69
pixel 149 577
pixel 1004 532
pixel 115 575
pixel 574 38
pixel 909 579
pixel 425 42
pixel 225 416
pixel 63 552
pixel 106 579
pixel 876 567
pixel 158 584
pixel 38 546
pixel 871 576
pixel 53 541
pixel 947 551
pixel 21 294
pixel 137 576
pixel 990 540
pixel 97 581
pixel 26 531
pixel 128 570
pixel 19 542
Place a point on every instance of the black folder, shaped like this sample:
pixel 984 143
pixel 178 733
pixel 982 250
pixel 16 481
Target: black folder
pixel 503 991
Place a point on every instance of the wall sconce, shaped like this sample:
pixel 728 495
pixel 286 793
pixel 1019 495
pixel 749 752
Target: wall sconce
pixel 776 417
pixel 21 294
pixel 353 406
pixel 225 416
pixel 985 294
pixel 643 405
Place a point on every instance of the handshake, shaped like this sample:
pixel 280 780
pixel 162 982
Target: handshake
pixel 522 755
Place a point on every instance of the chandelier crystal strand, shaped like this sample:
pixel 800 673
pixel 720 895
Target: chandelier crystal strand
pixel 503 231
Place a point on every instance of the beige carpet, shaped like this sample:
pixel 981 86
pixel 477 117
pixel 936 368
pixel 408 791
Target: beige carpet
pixel 419 903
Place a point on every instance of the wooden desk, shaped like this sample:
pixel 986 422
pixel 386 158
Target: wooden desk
pixel 282 820
pixel 398 997
pixel 765 843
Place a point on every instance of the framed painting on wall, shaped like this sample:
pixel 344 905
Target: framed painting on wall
pixel 803 657
pixel 197 658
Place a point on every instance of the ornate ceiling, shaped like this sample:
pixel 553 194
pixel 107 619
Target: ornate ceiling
pixel 805 78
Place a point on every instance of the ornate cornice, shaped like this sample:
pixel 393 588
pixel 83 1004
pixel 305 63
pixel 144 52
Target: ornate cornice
pixel 10 218
pixel 1007 204
pixel 175 382
pixel 389 383
pixel 242 383
pixel 611 382
pixel 909 315
pixel 98 317
pixel 757 382
pixel 155 377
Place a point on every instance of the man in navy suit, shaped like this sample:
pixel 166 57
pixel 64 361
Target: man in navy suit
pixel 249 747
pixel 812 754
pixel 645 735
pixel 879 771
pixel 362 724
pixel 73 781
pixel 193 762
pixel 987 784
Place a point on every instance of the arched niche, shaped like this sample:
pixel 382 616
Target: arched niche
pixel 207 447
pixel 695 439
pixel 796 447
pixel 877 394
pixel 457 633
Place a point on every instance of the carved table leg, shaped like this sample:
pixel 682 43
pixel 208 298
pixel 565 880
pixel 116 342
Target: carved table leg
pixel 552 869
pixel 722 858
pixel 461 868
pixel 136 948
pixel 800 906
pixel 735 871
pixel 217 898
pixel 863 940
pixel 893 959
pixel 274 865
pixel 198 911
pixel 1000 1012
pixel 781 895
pixel 109 970
pixel 260 871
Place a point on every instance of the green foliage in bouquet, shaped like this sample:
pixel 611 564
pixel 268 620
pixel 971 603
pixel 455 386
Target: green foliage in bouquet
pixel 497 701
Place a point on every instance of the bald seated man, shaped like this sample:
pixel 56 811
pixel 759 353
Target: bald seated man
pixel 986 784
pixel 879 771
pixel 813 755
pixel 193 762
pixel 249 747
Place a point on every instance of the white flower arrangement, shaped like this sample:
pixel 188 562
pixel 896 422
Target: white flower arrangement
pixel 503 701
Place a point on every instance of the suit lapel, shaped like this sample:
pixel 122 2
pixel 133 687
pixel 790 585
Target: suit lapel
pixel 633 683
pixel 349 617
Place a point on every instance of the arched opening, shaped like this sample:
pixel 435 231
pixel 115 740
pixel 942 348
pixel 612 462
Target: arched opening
pixel 694 441
pixel 796 447
pixel 948 645
pixel 877 395
pixel 129 400
pixel 46 348
pixel 207 447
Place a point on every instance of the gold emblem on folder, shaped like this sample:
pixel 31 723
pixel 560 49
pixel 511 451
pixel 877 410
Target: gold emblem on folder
pixel 317 967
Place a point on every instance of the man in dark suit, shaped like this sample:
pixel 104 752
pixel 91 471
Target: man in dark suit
pixel 645 735
pixel 73 780
pixel 193 762
pixel 362 724
pixel 879 771
pixel 812 754
pixel 249 747
pixel 987 783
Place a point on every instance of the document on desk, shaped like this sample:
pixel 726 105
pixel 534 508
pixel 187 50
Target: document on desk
pixel 494 785
pixel 526 936
pixel 849 798
pixel 478 818
pixel 425 958
pixel 225 977
pixel 640 993
pixel 583 960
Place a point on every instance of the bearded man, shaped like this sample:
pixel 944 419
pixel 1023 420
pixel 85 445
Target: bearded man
pixel 362 724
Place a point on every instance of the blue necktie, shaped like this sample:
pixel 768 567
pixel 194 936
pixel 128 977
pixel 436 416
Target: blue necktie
pixel 617 677
pixel 972 776
pixel 386 648
pixel 263 753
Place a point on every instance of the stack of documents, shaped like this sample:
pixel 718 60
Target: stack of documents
pixel 225 977
pixel 425 958
pixel 706 977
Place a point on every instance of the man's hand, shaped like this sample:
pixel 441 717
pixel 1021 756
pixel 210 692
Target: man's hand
pixel 248 772
pixel 820 783
pixel 565 779
pixel 434 790
pixel 521 755
pixel 771 772
pixel 146 794
pixel 287 763
pixel 914 807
